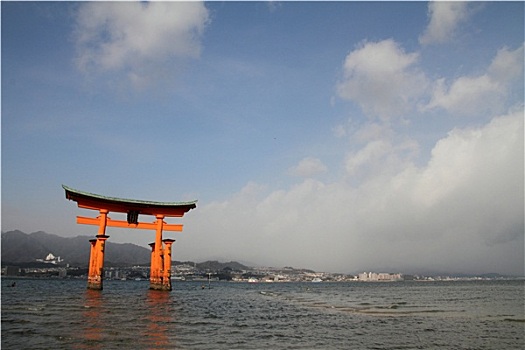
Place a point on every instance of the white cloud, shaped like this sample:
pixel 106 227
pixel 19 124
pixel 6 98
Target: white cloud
pixel 373 131
pixel 379 158
pixel 480 94
pixel 468 95
pixel 123 36
pixel 382 79
pixel 308 167
pixel 470 157
pixel 445 16
pixel 369 154
pixel 507 66
pixel 460 212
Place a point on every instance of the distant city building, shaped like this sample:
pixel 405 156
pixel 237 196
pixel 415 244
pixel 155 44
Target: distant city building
pixel 50 259
pixel 13 271
pixel 373 276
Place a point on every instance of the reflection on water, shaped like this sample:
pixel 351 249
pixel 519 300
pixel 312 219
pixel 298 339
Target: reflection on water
pixel 158 317
pixel 92 319
pixel 139 321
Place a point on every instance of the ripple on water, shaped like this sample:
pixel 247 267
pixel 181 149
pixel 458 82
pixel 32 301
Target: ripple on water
pixel 277 316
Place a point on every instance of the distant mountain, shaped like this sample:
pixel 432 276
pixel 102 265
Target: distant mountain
pixel 19 247
pixel 218 266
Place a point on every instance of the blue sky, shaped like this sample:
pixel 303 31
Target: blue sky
pixel 337 136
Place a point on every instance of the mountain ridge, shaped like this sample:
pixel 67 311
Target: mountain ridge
pixel 20 247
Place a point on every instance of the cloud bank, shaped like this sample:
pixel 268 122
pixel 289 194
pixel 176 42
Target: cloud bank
pixel 462 211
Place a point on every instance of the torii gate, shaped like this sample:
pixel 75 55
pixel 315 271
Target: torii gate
pixel 160 269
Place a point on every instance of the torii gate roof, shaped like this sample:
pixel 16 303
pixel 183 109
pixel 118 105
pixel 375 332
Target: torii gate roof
pixel 93 201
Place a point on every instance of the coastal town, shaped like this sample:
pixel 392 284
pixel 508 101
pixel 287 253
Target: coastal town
pixel 54 267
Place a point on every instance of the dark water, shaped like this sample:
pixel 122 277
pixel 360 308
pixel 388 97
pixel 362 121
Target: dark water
pixel 63 314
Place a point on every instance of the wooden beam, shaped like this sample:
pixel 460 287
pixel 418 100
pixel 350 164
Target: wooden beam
pixel 124 224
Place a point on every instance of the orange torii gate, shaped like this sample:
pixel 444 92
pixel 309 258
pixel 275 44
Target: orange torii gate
pixel 160 269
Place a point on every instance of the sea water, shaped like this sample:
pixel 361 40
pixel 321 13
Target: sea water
pixel 63 314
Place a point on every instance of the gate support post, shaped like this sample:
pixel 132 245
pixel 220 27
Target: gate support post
pixel 96 262
pixel 96 258
pixel 157 257
pixel 166 278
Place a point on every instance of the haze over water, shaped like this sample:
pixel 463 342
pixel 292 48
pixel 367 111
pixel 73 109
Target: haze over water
pixel 63 314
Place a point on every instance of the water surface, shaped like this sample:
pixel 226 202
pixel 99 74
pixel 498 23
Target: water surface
pixel 63 314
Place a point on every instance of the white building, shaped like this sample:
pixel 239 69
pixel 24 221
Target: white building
pixel 382 276
pixel 50 259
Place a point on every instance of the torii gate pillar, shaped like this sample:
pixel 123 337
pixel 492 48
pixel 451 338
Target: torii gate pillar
pixel 160 268
pixel 96 256
pixel 166 278
pixel 96 262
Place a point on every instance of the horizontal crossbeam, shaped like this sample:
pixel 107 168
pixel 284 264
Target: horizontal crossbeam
pixel 124 224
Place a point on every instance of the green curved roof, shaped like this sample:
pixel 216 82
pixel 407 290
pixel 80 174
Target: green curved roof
pixel 144 207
